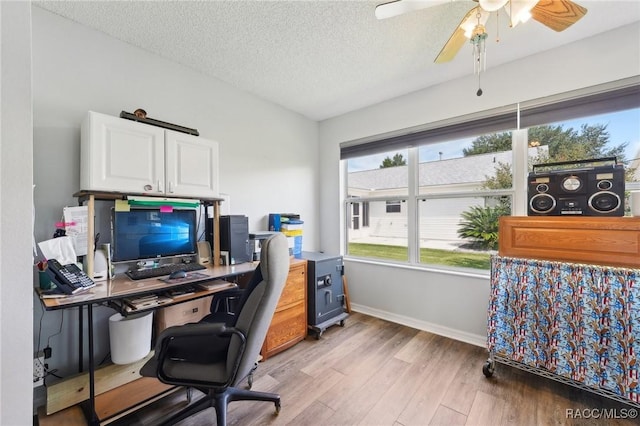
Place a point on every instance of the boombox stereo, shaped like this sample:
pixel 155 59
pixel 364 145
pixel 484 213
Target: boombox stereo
pixel 589 188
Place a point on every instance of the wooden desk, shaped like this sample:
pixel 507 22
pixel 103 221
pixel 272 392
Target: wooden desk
pixel 112 292
pixel 122 287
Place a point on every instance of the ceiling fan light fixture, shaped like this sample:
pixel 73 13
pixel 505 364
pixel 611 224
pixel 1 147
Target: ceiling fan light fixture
pixel 492 5
pixel 519 11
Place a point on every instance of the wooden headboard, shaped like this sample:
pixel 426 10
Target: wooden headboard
pixel 611 241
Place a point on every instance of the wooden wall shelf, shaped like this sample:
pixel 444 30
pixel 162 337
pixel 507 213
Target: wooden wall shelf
pixel 613 241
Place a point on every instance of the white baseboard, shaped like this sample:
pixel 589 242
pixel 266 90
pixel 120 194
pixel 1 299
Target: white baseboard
pixel 451 333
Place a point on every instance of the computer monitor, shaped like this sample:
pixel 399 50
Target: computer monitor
pixel 144 234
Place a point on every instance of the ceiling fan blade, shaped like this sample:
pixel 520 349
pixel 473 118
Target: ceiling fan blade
pixel 558 14
pixel 453 45
pixel 458 38
pixel 399 7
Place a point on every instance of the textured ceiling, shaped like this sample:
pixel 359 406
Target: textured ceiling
pixel 324 58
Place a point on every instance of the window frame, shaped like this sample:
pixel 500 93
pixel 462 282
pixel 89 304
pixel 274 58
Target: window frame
pixel 393 204
pixel 609 97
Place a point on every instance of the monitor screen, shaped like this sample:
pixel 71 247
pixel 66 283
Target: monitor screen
pixel 151 234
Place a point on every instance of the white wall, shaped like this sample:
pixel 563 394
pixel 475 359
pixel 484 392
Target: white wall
pixel 268 155
pixel 436 301
pixel 16 201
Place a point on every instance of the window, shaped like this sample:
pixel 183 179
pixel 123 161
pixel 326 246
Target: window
pixel 432 196
pixel 460 231
pixel 355 209
pixel 393 206
pixel 386 238
pixel 377 225
pixel 458 211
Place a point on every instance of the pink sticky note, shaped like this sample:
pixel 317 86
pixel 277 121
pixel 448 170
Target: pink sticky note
pixel 166 209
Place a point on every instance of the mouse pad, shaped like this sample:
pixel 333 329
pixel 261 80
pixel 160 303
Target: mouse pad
pixel 191 276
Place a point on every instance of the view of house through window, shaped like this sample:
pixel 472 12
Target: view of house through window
pixel 463 186
pixel 378 219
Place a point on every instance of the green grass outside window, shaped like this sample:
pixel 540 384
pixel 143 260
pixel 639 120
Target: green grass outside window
pixel 427 255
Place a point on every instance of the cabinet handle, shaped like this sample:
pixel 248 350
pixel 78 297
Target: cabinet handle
pixel 170 187
pixel 160 189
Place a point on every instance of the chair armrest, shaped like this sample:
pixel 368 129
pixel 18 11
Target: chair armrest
pixel 200 329
pixel 193 329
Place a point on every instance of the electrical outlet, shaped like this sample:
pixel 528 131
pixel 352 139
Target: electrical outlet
pixel 38 371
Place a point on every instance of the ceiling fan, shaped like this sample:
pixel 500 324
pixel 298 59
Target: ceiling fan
pixel 555 14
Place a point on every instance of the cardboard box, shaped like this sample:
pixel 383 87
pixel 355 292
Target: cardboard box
pixel 182 313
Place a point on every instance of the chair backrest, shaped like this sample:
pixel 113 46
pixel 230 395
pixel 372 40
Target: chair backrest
pixel 257 312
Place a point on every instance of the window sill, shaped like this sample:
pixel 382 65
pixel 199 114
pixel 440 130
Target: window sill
pixel 471 273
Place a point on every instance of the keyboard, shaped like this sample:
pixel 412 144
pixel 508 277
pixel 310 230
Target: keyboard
pixel 141 274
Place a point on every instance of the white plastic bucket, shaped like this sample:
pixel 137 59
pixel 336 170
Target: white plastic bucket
pixel 130 337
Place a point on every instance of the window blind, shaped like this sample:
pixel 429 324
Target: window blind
pixel 503 119
pixel 616 96
pixel 583 106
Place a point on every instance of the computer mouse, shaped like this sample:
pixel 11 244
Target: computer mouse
pixel 178 274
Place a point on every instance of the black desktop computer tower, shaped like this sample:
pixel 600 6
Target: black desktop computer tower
pixel 234 238
pixel 325 291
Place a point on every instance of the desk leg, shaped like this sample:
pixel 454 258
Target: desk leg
pixel 90 405
pixel 80 340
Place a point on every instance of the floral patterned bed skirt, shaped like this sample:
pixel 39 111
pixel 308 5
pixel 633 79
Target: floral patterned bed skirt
pixel 578 321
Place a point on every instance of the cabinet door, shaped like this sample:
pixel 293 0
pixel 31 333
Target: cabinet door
pixel 121 155
pixel 191 165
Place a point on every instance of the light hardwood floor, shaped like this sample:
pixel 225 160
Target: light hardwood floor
pixel 374 372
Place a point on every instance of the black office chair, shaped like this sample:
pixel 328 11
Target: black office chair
pixel 184 356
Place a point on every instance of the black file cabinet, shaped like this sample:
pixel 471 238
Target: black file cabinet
pixel 325 291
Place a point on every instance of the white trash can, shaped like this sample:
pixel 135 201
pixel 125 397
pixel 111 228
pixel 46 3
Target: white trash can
pixel 130 337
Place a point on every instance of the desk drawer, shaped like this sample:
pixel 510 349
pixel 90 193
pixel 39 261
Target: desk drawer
pixel 295 289
pixel 288 327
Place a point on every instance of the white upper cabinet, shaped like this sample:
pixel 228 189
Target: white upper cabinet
pixel 127 156
pixel 191 166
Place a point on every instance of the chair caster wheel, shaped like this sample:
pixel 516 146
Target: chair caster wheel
pixel 277 408
pixel 488 369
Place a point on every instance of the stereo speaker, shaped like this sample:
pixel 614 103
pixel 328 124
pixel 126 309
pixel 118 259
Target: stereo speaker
pixel 204 253
pixel 587 190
